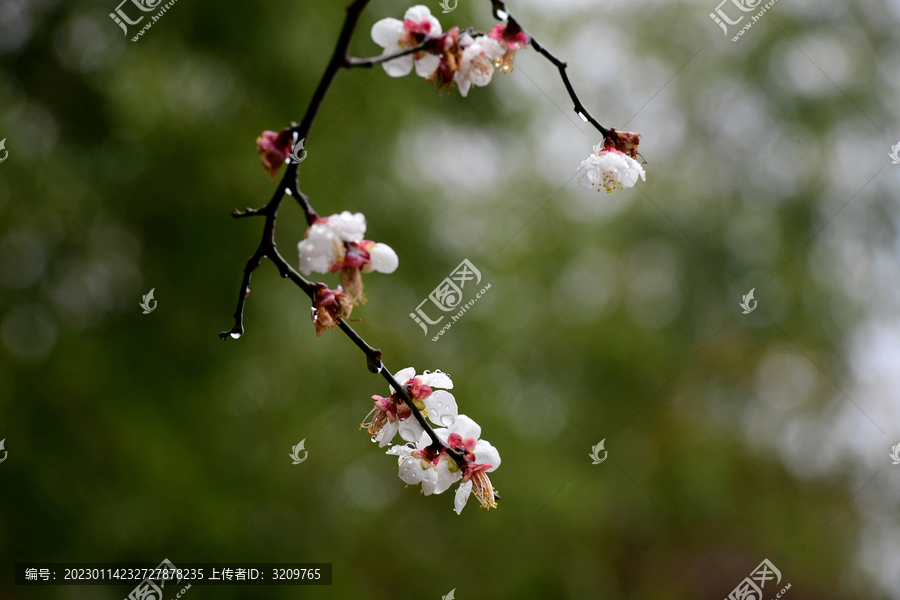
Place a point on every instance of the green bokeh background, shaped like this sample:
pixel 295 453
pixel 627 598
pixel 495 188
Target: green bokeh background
pixel 134 438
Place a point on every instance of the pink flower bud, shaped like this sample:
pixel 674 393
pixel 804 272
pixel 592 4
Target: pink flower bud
pixel 329 306
pixel 624 141
pixel 513 37
pixel 273 149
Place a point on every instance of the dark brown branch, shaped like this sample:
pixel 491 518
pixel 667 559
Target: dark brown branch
pixel 288 185
pixel 501 13
pixel 303 201
pixel 338 60
pixel 377 60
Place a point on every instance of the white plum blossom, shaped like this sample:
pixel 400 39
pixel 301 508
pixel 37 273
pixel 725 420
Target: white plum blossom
pixel 392 415
pixel 464 436
pixel 609 168
pixel 336 244
pixel 324 243
pixel 415 468
pixel 419 465
pixel 382 258
pixel 509 42
pixel 476 66
pixel 417 26
pixel 428 393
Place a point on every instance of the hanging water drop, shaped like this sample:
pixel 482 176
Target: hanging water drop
pixel 235 335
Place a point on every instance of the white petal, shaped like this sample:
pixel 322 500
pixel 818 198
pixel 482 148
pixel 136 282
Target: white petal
pixel 436 30
pixel 462 496
pixel 319 250
pixel 402 376
pixel 387 433
pixel 410 430
pixel 491 48
pixel 399 67
pixel 423 442
pixel 399 451
pixel 347 226
pixel 445 478
pixel 481 71
pixel 437 380
pixel 429 481
pixel 588 172
pixel 466 427
pixel 427 64
pixel 485 453
pixel 420 13
pixel 462 83
pixel 411 470
pixel 629 178
pixel 442 408
pixel 384 259
pixel 386 33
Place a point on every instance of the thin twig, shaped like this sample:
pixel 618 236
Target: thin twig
pixel 288 185
pixel 376 60
pixel 501 13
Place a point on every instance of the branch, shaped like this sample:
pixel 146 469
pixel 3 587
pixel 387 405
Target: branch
pixel 350 62
pixel 288 185
pixel 501 13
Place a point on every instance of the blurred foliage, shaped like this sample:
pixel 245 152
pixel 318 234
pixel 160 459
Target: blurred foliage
pixel 138 437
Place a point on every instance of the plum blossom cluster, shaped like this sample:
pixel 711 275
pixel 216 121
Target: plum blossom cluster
pixel 452 451
pixel 335 244
pixel 422 461
pixel 613 163
pixel 451 59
